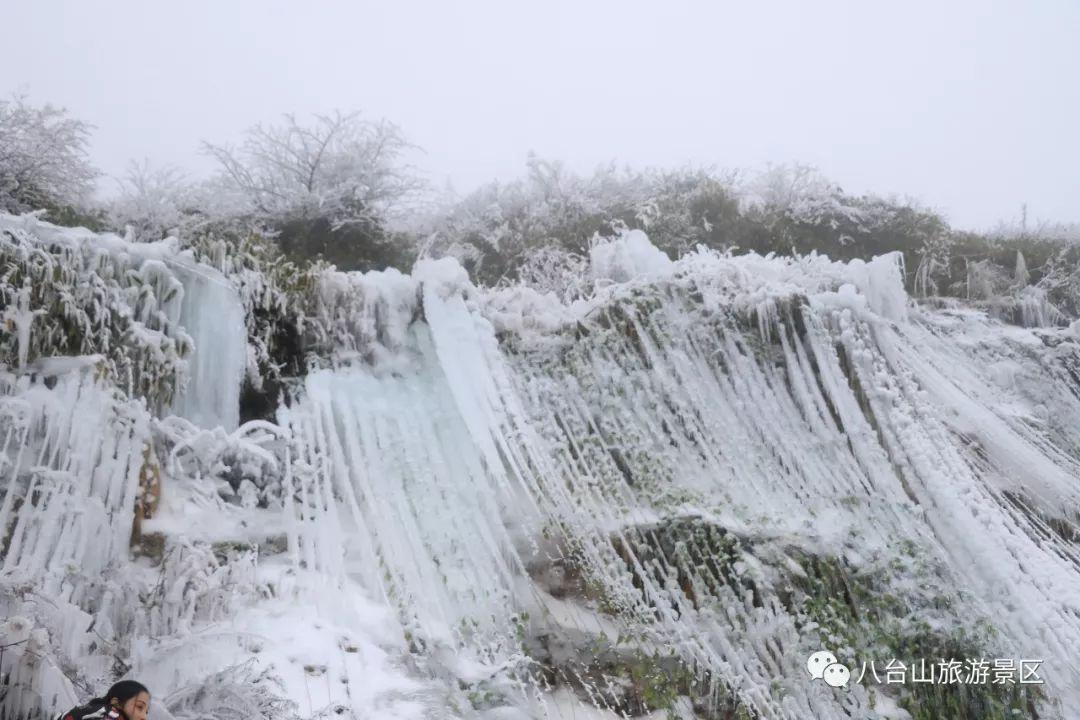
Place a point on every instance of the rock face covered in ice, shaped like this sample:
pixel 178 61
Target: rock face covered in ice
pixel 656 501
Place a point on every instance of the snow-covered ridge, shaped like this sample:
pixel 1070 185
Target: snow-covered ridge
pixel 746 283
pixel 658 499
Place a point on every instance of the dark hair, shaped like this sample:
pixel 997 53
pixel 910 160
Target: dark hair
pixel 125 690
pixel 121 692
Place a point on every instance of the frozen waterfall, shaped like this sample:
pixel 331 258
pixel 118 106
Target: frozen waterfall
pixel 212 314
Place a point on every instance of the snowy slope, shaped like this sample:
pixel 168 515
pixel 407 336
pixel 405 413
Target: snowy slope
pixel 658 501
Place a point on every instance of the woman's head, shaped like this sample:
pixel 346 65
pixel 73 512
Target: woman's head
pixel 131 697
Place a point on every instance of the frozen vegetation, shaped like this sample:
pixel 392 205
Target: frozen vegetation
pixel 304 440
pixel 628 486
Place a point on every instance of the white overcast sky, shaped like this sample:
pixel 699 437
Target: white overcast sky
pixel 971 107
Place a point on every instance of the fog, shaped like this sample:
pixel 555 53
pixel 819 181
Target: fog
pixel 969 107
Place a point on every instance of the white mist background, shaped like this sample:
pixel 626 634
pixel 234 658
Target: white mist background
pixel 966 106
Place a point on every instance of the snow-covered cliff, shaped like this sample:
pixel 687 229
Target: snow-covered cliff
pixel 658 500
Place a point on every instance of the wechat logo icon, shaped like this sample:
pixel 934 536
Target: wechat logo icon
pixel 822 665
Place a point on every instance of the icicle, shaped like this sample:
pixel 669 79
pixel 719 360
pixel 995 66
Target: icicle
pixel 212 314
pixel 20 317
pixel 728 461
pixel 1021 277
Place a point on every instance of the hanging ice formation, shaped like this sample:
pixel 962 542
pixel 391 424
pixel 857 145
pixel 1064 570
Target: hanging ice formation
pixel 213 316
pixel 662 499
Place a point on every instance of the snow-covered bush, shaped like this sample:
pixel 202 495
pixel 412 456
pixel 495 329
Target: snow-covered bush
pixel 240 466
pixel 555 270
pixel 238 692
pixel 985 280
pixel 525 229
pixel 153 202
pixel 67 293
pixel 800 211
pixel 195 588
pixel 1061 278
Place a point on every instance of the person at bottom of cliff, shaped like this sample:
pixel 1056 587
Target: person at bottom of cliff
pixel 126 700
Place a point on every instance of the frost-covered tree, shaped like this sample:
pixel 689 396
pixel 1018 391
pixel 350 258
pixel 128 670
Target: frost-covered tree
pixel 43 157
pixel 340 167
pixel 152 201
pixel 328 188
